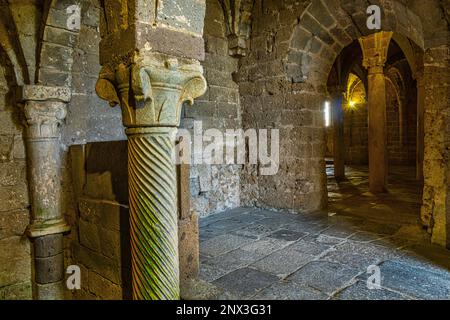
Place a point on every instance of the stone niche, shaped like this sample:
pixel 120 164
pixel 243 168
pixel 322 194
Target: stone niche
pixel 102 249
pixel 101 245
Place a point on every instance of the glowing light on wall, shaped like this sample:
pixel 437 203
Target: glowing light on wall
pixel 327 114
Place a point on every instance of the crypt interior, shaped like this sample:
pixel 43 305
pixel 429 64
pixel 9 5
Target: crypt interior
pixel 92 94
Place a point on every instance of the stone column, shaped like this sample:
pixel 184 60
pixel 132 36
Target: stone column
pixel 402 121
pixel 375 49
pixel 420 126
pixel 337 95
pixel 151 88
pixel 45 110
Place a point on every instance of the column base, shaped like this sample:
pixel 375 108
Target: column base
pixel 43 228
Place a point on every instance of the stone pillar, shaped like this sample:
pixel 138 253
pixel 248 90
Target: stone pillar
pixel 402 121
pixel 375 49
pixel 45 110
pixel 420 148
pixel 151 88
pixel 188 234
pixel 337 95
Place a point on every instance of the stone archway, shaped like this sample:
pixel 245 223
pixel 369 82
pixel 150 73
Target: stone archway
pixel 324 29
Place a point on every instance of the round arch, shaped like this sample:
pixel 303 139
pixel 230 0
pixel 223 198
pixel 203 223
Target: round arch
pixel 325 28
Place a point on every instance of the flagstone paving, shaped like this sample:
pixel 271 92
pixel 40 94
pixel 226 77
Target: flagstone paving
pixel 250 253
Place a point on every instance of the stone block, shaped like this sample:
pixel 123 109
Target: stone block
pixel 57 57
pixel 89 39
pixel 245 282
pixel 52 77
pixel 104 288
pixel 48 246
pixel 359 291
pixel 19 291
pixel 60 36
pixel 104 266
pixel 107 214
pixel 188 247
pixel 404 278
pixel 326 277
pixel 15 261
pixel 187 16
pixel 13 223
pixel 289 291
pixel 14 198
pixel 9 123
pixel 223 244
pixel 89 235
pixel 50 290
pixel 19 147
pixel 110 243
pixel 318 11
pixel 12 173
pixel 6 145
pixel 50 269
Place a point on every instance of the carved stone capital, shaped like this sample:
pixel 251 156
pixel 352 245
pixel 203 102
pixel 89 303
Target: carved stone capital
pixel 44 118
pixel 151 88
pixel 375 49
pixel 44 109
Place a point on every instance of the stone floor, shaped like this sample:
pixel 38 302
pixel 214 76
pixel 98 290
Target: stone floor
pixel 252 253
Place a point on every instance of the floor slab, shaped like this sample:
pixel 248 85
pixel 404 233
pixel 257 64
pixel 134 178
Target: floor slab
pixel 250 253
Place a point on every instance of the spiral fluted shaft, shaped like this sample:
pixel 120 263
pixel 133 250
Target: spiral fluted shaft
pixel 153 213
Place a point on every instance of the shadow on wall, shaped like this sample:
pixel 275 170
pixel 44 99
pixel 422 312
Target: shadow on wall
pixel 101 180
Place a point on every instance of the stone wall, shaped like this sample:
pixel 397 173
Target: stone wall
pixel 436 193
pixel 272 100
pixel 89 118
pixel 15 257
pixel 102 247
pixel 215 188
pixel 356 133
pixel 401 150
pixel 92 207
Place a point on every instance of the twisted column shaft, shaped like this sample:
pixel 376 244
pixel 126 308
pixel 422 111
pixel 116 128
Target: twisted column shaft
pixel 153 213
pixel 151 89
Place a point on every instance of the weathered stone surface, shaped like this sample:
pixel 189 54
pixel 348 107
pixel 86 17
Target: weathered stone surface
pixel 107 267
pixel 418 283
pixel 188 246
pixel 48 246
pixel 15 266
pixel 324 276
pixel 245 282
pixel 13 223
pixel 222 244
pixel 103 288
pixel 359 291
pixel 196 289
pixel 50 291
pixel 89 235
pixel 289 291
pixel 19 291
pixel 49 269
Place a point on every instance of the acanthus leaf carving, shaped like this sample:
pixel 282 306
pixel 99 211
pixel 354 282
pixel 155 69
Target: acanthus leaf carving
pixel 151 88
pixel 105 86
